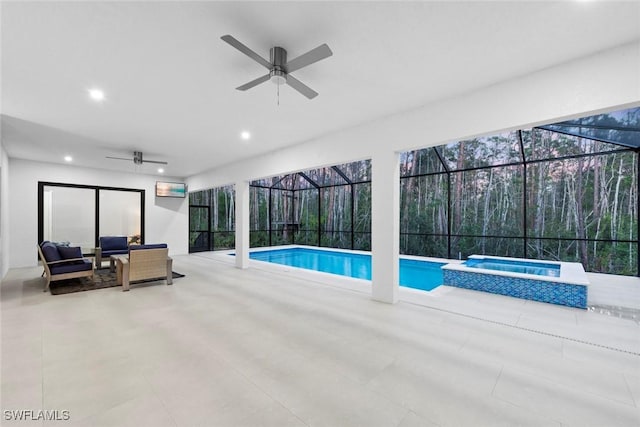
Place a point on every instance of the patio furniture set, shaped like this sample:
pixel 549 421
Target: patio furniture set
pixel 131 263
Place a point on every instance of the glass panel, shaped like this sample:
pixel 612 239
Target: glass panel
pixel 282 237
pixel 487 202
pixel 418 162
pixel 357 171
pixel 264 182
pixel 259 208
pixel 540 144
pixel 336 239
pixel 336 208
pixel 258 239
pixel 120 214
pixel 223 209
pixel 602 257
pixel 199 228
pixel 362 208
pixel 306 237
pixel 462 247
pixel 587 197
pixel 325 177
pixel 69 215
pixel 199 197
pixel 620 127
pixel 302 182
pixel 362 241
pixel 282 220
pixel 223 240
pixel 198 241
pixel 285 182
pixel 306 210
pixel 484 151
pixel 423 245
pixel 423 205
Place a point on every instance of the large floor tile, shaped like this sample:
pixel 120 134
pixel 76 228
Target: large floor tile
pixel 231 347
pixel 568 405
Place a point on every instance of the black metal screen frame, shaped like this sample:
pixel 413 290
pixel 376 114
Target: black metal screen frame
pixel 315 186
pixel 524 163
pixel 96 188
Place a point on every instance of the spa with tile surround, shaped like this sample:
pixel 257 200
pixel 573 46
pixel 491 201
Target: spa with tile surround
pixel 562 283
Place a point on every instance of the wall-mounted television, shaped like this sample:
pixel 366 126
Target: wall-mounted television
pixel 171 189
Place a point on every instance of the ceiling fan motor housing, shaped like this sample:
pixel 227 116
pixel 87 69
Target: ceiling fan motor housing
pixel 137 157
pixel 278 73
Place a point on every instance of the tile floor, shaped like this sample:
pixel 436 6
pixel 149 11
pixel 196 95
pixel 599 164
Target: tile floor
pixel 272 347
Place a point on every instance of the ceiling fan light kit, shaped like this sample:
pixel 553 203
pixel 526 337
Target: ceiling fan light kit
pixel 278 66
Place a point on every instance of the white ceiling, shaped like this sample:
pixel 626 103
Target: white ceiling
pixel 170 81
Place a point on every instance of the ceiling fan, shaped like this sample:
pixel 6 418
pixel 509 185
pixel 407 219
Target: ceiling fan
pixel 278 66
pixel 137 159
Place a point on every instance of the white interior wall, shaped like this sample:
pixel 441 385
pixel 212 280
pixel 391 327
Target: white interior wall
pixel 167 219
pixel 4 212
pixel 593 84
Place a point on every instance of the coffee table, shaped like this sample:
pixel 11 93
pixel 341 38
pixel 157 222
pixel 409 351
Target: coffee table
pixel 115 265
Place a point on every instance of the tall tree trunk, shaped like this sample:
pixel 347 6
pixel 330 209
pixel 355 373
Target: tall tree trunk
pixel 581 231
pixel 411 164
pixel 457 219
pixel 486 215
pixel 214 205
pixel 614 214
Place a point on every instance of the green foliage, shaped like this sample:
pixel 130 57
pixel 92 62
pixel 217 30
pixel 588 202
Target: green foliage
pixel 581 209
pixel 590 197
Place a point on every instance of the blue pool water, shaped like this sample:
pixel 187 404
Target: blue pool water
pixel 424 275
pixel 515 266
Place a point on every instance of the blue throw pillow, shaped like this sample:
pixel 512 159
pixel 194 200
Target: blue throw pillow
pixel 50 252
pixel 113 243
pixel 70 252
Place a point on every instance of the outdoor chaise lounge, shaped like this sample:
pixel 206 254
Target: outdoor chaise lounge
pixel 144 262
pixel 63 262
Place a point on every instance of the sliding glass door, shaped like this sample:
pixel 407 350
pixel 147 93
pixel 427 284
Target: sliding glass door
pixel 69 215
pixel 120 213
pixel 80 214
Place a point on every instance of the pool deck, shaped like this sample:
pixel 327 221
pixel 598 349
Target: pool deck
pixel 609 294
pixel 285 347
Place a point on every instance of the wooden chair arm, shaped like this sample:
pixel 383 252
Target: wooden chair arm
pixel 62 261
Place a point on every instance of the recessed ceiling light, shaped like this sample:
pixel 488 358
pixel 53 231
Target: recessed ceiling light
pixel 68 158
pixel 160 170
pixel 96 94
pixel 245 135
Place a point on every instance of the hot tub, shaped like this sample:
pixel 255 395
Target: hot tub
pixel 562 283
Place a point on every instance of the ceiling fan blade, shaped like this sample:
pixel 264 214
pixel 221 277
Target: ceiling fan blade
pixel 118 158
pixel 314 55
pixel 301 87
pixel 244 49
pixel 155 161
pixel 253 83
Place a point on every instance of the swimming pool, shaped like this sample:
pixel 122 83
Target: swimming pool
pixel 416 274
pixel 525 267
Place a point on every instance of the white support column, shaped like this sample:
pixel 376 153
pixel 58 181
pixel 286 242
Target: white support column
pixel 385 226
pixel 242 224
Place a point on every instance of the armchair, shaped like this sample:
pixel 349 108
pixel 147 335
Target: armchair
pixel 111 245
pixel 63 263
pixel 144 262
